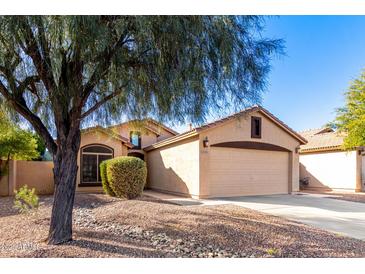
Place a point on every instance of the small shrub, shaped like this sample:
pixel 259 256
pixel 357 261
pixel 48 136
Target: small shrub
pixel 126 176
pixel 104 179
pixel 272 251
pixel 25 199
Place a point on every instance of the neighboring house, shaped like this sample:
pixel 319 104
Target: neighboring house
pixel 327 166
pixel 249 153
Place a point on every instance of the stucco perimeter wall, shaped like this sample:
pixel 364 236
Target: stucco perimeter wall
pixel 239 129
pixel 35 174
pixel 175 168
pixel 334 170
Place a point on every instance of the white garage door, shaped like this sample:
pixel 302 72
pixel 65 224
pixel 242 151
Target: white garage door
pixel 239 172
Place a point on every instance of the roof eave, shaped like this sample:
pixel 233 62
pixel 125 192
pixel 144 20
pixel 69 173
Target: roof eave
pixel 321 149
pixel 172 140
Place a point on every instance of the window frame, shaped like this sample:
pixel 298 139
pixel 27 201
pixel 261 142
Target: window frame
pixel 254 134
pixel 139 146
pixel 82 153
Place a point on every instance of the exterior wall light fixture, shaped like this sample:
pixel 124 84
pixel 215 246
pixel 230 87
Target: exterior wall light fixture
pixel 205 142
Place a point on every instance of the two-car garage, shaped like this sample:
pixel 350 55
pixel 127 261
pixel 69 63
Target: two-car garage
pixel 240 172
pixel 248 153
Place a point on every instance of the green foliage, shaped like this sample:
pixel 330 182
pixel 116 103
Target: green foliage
pixel 350 119
pixel 104 179
pixel 273 251
pixel 16 143
pixel 41 146
pixel 26 199
pixel 126 176
pixel 171 67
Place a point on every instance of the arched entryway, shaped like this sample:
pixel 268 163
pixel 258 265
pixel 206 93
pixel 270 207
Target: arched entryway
pixel 137 154
pixel 91 157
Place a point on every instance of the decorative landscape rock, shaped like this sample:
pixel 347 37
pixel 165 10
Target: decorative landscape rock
pixel 84 217
pixel 146 227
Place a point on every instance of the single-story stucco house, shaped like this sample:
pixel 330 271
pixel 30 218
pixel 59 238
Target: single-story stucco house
pixel 249 153
pixel 327 166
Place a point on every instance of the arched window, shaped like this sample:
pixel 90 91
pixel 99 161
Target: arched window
pixel 91 157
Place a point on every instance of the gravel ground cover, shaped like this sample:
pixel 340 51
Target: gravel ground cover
pixel 352 197
pixel 148 227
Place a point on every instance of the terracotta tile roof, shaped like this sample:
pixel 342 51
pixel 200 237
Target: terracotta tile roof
pixel 197 130
pixel 322 139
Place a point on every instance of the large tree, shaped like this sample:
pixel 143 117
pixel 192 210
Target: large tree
pixel 350 119
pixel 60 71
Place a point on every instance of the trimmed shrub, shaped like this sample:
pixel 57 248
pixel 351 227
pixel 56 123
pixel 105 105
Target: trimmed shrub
pixel 104 179
pixel 126 176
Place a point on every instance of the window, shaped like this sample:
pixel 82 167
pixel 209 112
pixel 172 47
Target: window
pixel 135 139
pixel 91 157
pixel 255 127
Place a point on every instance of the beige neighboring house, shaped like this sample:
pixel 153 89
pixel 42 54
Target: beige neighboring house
pixel 249 153
pixel 327 165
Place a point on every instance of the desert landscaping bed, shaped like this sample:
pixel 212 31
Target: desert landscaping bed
pixel 148 227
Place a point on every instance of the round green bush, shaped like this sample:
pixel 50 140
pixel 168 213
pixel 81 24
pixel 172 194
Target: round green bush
pixel 126 176
pixel 104 179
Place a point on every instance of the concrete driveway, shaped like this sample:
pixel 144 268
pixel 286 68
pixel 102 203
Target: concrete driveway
pixel 343 217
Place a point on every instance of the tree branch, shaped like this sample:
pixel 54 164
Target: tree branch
pixel 101 102
pixel 20 106
pixel 28 81
pixel 43 68
pixel 103 66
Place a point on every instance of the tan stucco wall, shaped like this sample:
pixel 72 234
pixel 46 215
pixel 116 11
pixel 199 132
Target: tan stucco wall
pixel 39 174
pixel 335 170
pixel 239 129
pixel 35 174
pixel 96 137
pixel 175 168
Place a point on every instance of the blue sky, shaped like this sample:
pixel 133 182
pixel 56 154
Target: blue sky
pixel 323 55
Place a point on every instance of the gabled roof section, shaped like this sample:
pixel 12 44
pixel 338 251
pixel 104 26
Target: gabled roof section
pixel 168 129
pixel 311 132
pixel 149 127
pixel 109 132
pixel 208 126
pixel 323 139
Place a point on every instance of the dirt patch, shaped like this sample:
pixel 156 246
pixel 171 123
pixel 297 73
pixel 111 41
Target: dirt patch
pixel 148 227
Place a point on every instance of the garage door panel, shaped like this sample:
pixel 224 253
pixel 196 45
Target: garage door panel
pixel 236 172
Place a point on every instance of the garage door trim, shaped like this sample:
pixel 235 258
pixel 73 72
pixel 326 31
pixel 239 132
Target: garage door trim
pixel 251 145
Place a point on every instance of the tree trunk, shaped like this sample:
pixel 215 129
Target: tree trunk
pixel 65 173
